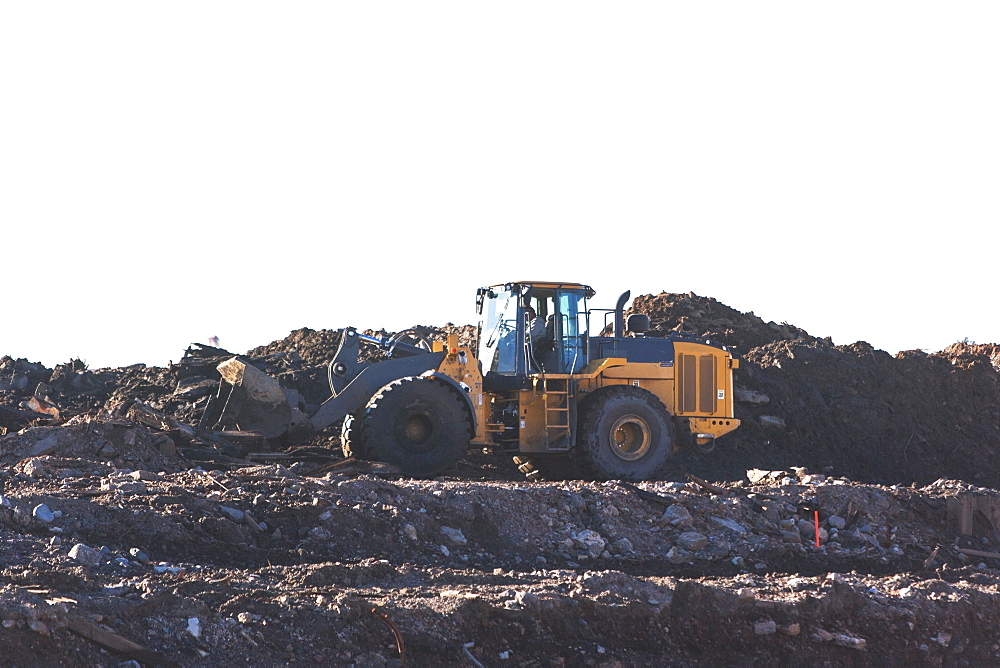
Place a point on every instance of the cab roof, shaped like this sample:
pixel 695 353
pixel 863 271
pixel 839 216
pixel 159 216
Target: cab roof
pixel 555 285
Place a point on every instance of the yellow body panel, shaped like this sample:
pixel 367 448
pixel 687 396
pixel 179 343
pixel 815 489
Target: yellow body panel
pixel 462 366
pixel 651 377
pixel 532 420
pixel 716 427
pixel 717 376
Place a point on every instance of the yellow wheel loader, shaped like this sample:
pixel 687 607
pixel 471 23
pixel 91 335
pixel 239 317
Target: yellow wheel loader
pixel 538 386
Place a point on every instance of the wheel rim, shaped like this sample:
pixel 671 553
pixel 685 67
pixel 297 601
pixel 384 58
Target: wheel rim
pixel 416 431
pixel 629 438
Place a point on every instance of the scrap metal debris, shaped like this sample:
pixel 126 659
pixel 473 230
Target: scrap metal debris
pixel 380 614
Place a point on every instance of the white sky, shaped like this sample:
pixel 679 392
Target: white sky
pixel 173 171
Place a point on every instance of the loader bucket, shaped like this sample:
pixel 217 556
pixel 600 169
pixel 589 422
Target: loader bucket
pixel 256 402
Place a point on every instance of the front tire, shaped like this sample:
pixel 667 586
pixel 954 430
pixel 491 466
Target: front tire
pixel 353 439
pixel 416 423
pixel 625 434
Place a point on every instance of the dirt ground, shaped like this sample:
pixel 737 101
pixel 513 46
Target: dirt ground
pixel 126 535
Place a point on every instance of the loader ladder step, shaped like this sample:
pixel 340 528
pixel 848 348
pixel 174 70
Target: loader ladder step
pixel 557 413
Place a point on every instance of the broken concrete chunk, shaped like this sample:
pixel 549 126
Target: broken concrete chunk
pixel 39 627
pixel 319 533
pixel 765 628
pixel 692 541
pixel 772 421
pixel 526 599
pixel 86 555
pixel 591 541
pixel 165 445
pixel 124 485
pixel 678 556
pixel 252 522
pixel 852 642
pixel 942 638
pixel 42 405
pixel 42 513
pixel 750 396
pixel 45 440
pixel 623 546
pixel 822 635
pixel 762 477
pixel 17 381
pixel 793 537
pixel 138 555
pixel 455 536
pixel 678 516
pixel 792 629
pixel 234 514
pixel 732 525
pixel 871 540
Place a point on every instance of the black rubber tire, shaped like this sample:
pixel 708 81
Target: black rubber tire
pixel 625 434
pixel 353 439
pixel 418 424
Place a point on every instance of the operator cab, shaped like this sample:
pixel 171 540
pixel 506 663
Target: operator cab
pixel 511 349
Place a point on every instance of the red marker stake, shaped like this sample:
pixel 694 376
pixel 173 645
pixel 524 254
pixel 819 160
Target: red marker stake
pixel 816 522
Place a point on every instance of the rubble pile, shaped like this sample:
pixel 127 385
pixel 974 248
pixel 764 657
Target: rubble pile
pixel 316 347
pixel 313 347
pixel 185 566
pixel 849 521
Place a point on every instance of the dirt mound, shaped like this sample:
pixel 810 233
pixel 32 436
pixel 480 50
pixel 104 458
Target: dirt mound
pixel 969 355
pixel 869 415
pixel 707 318
pixel 850 408
pixel 317 347
pixel 314 347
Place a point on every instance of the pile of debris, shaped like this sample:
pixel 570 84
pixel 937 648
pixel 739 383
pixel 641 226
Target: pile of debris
pixel 167 565
pixel 129 530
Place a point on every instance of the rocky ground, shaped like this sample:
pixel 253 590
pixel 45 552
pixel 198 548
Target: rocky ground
pixel 129 535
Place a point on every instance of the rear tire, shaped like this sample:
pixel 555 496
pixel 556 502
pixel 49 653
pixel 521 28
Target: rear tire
pixel 418 424
pixel 625 434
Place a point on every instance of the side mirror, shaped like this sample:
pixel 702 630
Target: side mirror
pixel 526 296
